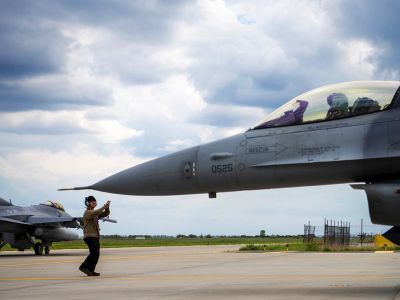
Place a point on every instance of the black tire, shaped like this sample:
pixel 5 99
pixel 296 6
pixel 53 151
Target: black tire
pixel 38 249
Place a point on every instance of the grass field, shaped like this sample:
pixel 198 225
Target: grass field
pixel 157 242
pixel 269 243
pixel 312 247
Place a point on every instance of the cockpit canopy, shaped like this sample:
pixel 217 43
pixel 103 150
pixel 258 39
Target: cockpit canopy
pixel 54 204
pixel 332 102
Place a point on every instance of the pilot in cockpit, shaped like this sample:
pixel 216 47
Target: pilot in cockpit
pixel 338 106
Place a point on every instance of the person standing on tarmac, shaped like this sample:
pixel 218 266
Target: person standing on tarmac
pixel 91 234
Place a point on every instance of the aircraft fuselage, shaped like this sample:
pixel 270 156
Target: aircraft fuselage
pixel 360 149
pixel 343 133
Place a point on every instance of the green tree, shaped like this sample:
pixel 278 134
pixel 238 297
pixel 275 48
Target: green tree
pixel 262 233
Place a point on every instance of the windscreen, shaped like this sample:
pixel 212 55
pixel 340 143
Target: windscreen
pixel 332 102
pixel 54 204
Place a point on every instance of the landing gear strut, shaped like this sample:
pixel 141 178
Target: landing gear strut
pixel 2 243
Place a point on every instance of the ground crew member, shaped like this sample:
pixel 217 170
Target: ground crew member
pixel 91 234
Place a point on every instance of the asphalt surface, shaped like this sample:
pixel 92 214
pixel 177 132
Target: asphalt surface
pixel 200 272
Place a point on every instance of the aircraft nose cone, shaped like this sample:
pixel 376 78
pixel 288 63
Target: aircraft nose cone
pixel 137 180
pixel 172 174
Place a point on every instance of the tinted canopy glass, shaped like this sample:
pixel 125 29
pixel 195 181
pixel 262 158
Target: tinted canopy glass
pixel 332 102
pixel 54 204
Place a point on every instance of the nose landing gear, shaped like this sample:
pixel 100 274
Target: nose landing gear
pixel 39 248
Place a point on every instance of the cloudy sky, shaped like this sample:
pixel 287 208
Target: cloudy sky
pixel 88 88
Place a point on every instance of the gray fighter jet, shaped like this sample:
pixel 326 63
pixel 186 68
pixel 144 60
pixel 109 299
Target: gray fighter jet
pixel 342 133
pixel 37 226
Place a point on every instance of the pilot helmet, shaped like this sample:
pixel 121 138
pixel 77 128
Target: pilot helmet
pixel 337 99
pixel 89 199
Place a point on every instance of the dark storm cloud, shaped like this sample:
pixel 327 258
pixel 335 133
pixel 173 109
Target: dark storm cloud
pixel 313 53
pixel 34 43
pixel 150 20
pixel 266 88
pixel 29 49
pixel 375 21
pixel 290 61
pixel 233 116
pixel 50 96
pixel 142 32
pixel 253 90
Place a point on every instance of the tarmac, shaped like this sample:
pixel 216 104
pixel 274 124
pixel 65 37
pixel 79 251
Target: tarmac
pixel 201 272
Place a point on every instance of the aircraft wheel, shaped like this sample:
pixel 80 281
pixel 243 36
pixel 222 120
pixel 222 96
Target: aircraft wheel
pixel 47 250
pixel 38 249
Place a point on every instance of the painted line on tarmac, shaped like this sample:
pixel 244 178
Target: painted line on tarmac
pixel 300 277
pixel 52 262
pixel 39 278
pixel 105 258
pixel 47 262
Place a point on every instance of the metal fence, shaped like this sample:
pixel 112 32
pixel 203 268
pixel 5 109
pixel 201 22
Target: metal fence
pixel 336 234
pixel 309 234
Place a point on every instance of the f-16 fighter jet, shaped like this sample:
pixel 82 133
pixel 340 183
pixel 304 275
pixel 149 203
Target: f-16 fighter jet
pixel 342 133
pixel 37 226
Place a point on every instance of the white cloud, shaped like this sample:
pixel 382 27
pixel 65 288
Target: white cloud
pixel 77 165
pixel 357 58
pixel 41 122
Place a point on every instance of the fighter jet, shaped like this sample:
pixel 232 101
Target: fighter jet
pixel 342 133
pixel 37 226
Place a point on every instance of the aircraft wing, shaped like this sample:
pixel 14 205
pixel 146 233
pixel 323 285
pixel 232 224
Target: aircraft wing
pixel 63 221
pixel 12 225
pixel 12 221
pixel 80 220
pixel 108 220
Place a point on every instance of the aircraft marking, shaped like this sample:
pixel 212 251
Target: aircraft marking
pixel 277 148
pixel 241 167
pixel 318 150
pixel 220 155
pixel 223 168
